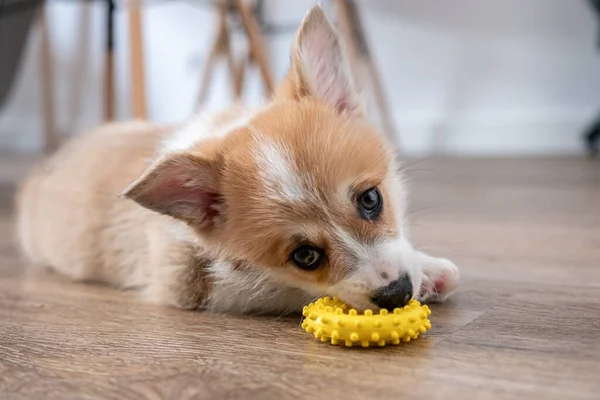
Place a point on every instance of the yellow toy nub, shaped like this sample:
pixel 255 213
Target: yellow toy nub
pixel 331 321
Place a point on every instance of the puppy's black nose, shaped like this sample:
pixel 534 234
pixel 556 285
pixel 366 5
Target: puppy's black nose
pixel 396 294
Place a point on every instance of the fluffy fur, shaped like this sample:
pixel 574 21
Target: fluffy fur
pixel 207 214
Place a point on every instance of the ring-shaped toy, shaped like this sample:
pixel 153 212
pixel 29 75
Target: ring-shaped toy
pixel 331 320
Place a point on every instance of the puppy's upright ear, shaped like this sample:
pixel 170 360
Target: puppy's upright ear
pixel 183 186
pixel 319 66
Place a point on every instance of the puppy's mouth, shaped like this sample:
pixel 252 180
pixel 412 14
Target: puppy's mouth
pixel 359 303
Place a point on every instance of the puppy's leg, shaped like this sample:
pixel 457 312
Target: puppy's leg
pixel 440 278
pixel 179 275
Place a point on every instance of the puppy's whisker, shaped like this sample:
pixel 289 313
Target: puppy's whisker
pixel 413 170
pixel 421 209
pixel 433 248
pixel 402 166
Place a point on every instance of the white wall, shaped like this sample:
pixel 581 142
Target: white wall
pixel 462 76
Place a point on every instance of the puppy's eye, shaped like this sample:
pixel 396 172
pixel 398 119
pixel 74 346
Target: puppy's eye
pixel 370 204
pixel 307 257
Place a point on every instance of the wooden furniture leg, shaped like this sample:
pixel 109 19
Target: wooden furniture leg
pixel 381 101
pixel 361 61
pixel 221 48
pixel 258 48
pixel 51 137
pixel 344 24
pixel 77 88
pixel 109 105
pixel 138 92
pixel 206 79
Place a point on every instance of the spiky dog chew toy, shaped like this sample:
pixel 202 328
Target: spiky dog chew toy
pixel 331 321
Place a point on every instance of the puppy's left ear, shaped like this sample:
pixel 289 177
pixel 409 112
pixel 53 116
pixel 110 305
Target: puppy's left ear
pixel 183 186
pixel 320 68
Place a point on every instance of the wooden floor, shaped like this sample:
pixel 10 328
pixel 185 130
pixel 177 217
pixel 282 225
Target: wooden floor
pixel 524 325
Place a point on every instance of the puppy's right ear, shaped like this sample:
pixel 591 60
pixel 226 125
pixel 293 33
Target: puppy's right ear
pixel 184 186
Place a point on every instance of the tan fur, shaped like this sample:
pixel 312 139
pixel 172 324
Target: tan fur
pixel 195 220
pixel 351 150
pixel 72 219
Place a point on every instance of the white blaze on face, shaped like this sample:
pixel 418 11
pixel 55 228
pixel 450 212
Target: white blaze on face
pixel 277 171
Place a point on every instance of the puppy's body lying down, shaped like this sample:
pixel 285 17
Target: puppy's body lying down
pixel 241 211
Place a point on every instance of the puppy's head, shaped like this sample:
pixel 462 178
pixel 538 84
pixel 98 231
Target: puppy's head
pixel 305 190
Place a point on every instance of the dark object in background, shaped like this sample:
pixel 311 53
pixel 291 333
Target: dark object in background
pixel 16 19
pixel 596 6
pixel 592 136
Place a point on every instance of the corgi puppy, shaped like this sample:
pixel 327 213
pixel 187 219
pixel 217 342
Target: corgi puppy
pixel 245 210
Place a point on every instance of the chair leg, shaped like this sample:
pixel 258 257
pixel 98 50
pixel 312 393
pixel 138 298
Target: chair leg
pixel 221 48
pixel 207 74
pixel 381 102
pixel 346 29
pixel 81 61
pixel 51 137
pixel 361 61
pixel 257 45
pixel 138 91
pixel 109 108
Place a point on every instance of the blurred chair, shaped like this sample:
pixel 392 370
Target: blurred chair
pixel 17 18
pixel 249 16
pixel 361 61
pixel 221 49
pixel 136 62
pixel 15 23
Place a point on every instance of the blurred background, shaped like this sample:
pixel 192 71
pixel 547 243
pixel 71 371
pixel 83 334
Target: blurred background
pixel 460 77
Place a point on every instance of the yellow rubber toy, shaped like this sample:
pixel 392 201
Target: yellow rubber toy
pixel 331 321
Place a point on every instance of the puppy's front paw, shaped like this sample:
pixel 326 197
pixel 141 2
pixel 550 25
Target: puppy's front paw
pixel 440 279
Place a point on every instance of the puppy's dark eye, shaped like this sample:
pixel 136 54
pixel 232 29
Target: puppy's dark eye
pixel 307 257
pixel 370 204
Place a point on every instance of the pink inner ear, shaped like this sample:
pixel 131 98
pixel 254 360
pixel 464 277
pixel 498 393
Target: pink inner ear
pixel 182 187
pixel 187 200
pixel 324 68
pixel 188 193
